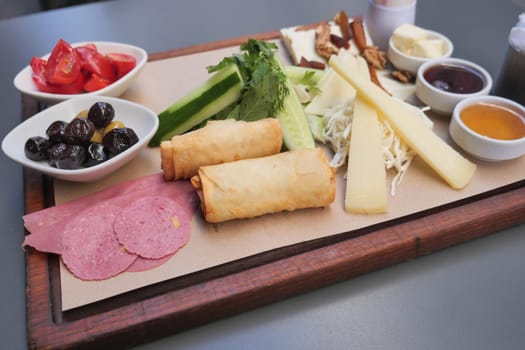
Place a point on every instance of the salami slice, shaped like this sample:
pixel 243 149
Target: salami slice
pixel 153 226
pixel 90 249
pixel 50 228
pixel 53 218
pixel 44 241
pixel 144 264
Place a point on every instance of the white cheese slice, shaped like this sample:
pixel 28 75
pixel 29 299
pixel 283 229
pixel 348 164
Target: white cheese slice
pixel 455 169
pixel 403 91
pixel 334 91
pixel 366 189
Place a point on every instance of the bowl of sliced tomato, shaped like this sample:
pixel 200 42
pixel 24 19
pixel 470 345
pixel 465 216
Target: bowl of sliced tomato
pixel 86 68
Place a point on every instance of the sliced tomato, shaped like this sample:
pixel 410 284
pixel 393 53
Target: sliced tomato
pixel 75 87
pixel 122 62
pixel 96 63
pixel 63 64
pixel 38 65
pixel 95 82
pixel 91 45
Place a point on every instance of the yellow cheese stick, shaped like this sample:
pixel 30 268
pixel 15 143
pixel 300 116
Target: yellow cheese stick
pixel 366 190
pixel 455 169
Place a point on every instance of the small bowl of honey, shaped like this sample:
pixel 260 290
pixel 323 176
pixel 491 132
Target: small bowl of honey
pixel 489 128
pixel 443 82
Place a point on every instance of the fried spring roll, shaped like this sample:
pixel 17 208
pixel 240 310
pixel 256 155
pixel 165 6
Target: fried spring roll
pixel 252 187
pixel 218 142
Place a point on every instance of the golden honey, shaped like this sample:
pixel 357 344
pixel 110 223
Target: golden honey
pixel 494 121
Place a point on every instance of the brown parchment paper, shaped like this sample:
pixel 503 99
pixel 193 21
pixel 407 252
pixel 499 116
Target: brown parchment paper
pixel 163 82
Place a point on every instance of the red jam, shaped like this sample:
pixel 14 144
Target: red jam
pixel 454 78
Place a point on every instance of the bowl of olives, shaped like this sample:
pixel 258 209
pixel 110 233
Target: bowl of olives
pixel 82 139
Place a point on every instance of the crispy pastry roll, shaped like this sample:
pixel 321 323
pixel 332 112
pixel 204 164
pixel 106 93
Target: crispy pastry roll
pixel 220 141
pixel 252 187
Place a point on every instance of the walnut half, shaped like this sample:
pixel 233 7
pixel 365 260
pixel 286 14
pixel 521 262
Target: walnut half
pixel 323 45
pixel 375 57
pixel 403 76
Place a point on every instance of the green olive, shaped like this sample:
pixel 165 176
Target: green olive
pixel 97 136
pixel 113 125
pixel 82 114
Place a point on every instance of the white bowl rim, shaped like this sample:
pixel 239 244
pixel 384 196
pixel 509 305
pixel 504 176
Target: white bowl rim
pixel 141 61
pixel 47 169
pixel 455 61
pixel 434 35
pixel 490 99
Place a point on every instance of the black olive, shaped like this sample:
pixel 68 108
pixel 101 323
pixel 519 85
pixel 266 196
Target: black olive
pixel 101 114
pixel 55 131
pixel 95 154
pixel 119 139
pixel 36 148
pixel 65 156
pixel 79 131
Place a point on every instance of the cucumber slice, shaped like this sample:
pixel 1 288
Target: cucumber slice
pixel 297 74
pixel 317 126
pixel 294 125
pixel 219 91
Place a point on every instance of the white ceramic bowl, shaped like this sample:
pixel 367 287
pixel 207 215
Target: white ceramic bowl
pixel 403 61
pixel 441 101
pixel 24 83
pixel 142 120
pixel 480 146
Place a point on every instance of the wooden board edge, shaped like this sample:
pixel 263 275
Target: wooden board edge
pixel 190 50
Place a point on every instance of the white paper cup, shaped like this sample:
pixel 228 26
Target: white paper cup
pixel 381 20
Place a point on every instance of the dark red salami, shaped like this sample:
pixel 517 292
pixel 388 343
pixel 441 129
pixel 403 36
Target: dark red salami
pixel 90 248
pixel 153 226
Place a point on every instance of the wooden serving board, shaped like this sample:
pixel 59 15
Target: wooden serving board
pixel 192 300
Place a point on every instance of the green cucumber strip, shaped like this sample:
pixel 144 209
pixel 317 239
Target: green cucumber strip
pixel 317 126
pixel 294 125
pixel 297 73
pixel 219 91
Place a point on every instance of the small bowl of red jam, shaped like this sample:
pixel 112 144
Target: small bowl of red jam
pixel 443 82
pixel 489 128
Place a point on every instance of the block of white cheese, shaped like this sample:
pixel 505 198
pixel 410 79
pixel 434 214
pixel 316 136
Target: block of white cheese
pixel 300 42
pixel 428 48
pixel 406 35
pixel 455 169
pixel 415 41
pixel 366 189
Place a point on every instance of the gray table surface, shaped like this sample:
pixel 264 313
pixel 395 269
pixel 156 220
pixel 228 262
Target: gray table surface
pixel 466 297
